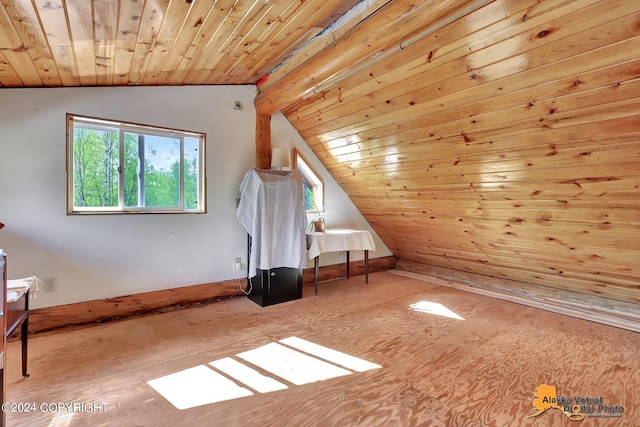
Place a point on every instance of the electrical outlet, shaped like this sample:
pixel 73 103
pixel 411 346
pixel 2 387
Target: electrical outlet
pixel 49 284
pixel 238 263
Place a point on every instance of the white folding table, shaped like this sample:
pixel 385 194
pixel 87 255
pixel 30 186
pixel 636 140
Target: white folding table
pixel 334 240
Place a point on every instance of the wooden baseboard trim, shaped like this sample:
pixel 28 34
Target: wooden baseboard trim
pixel 87 312
pixel 613 313
pixel 95 311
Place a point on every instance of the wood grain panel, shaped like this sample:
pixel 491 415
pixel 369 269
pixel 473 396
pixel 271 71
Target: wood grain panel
pixel 241 16
pixel 125 43
pixel 14 52
pixel 207 30
pixel 506 143
pixel 164 42
pixel 105 18
pixel 130 42
pixel 53 19
pixel 315 45
pixel 381 34
pixel 7 72
pixel 80 18
pixel 151 19
pixel 413 114
pixel 297 31
pixel 444 49
pixel 439 70
pixel 434 370
pixel 580 153
pixel 263 141
pixel 244 48
pixel 197 15
pixel 24 19
pixel 497 148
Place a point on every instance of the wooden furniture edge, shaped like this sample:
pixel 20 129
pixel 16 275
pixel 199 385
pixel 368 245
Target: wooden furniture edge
pixel 96 311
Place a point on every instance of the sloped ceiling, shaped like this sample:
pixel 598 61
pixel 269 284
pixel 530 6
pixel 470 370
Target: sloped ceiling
pixel 504 142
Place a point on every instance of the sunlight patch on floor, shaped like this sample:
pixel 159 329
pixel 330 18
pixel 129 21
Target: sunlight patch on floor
pixel 247 375
pixel 295 361
pixel 293 366
pixel 434 308
pixel 334 356
pixel 197 386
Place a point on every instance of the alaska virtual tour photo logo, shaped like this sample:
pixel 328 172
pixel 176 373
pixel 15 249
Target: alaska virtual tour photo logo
pixel 575 407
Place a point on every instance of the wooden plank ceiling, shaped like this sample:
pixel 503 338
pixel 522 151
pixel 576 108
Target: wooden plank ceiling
pixel 498 137
pixel 50 43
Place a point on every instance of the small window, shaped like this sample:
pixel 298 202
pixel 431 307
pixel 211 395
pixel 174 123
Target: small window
pixel 117 167
pixel 313 185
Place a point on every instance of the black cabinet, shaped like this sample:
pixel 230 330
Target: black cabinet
pixel 276 285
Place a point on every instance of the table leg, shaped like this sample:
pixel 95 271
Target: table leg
pixel 366 267
pixel 316 268
pixel 24 337
pixel 347 264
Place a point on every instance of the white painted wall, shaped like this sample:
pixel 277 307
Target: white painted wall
pixel 103 256
pixel 341 212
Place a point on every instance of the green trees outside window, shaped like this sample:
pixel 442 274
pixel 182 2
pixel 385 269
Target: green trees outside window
pixel 313 186
pixel 124 167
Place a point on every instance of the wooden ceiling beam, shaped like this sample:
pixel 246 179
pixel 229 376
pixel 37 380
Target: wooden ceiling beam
pixel 263 141
pixel 389 29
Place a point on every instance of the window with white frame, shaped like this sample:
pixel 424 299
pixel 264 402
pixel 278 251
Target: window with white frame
pixel 118 167
pixel 312 185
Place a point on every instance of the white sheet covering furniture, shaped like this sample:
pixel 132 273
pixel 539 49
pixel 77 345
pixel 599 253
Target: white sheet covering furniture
pixel 17 287
pixel 272 211
pixel 335 240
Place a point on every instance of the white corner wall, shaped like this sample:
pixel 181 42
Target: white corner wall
pixel 104 256
pixel 341 212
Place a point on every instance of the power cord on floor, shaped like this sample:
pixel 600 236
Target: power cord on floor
pixel 249 286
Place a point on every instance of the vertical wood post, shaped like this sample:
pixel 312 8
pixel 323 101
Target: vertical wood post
pixel 263 141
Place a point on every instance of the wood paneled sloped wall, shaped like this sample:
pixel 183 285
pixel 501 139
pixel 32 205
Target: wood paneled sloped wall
pixel 505 143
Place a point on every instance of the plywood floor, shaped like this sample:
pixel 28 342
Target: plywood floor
pixel 439 371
